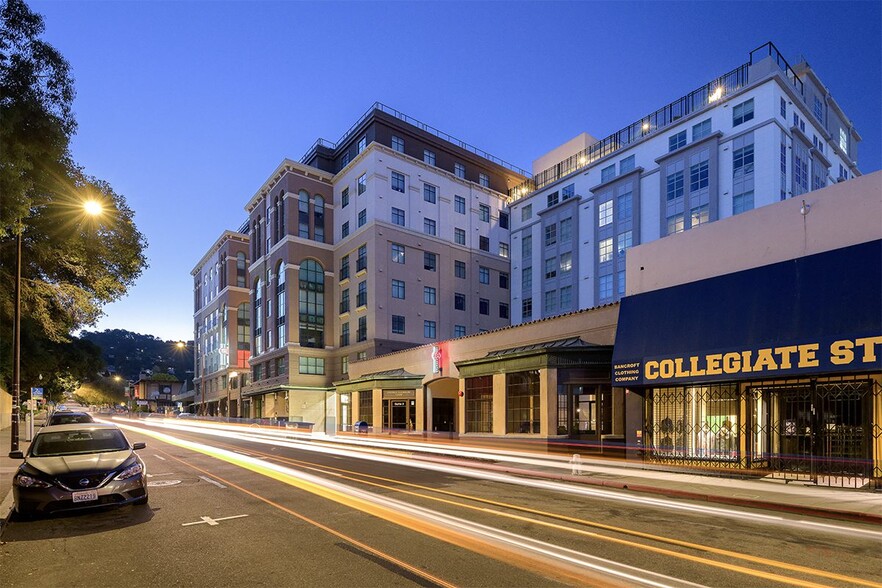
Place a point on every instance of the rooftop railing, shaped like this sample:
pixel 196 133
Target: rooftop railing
pixel 420 125
pixel 769 49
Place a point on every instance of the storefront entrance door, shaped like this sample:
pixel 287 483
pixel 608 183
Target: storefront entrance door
pixel 399 414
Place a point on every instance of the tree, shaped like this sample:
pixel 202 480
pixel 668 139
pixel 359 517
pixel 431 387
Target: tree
pixel 72 264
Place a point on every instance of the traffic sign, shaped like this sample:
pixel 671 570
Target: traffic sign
pixel 36 393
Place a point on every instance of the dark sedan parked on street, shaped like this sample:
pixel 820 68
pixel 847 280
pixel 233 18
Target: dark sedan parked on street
pixel 66 417
pixel 78 466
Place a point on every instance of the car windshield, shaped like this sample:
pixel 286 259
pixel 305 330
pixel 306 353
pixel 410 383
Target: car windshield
pixel 67 419
pixel 78 441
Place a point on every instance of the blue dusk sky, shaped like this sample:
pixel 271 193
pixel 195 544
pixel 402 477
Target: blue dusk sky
pixel 186 108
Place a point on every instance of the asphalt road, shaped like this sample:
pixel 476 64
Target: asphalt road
pixel 256 511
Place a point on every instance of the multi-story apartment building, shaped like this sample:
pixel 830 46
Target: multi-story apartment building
pixel 762 133
pixel 395 236
pixel 221 325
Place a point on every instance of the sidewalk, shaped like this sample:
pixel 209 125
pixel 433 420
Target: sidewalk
pixel 774 495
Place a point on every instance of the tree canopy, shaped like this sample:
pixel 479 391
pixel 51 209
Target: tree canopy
pixel 72 263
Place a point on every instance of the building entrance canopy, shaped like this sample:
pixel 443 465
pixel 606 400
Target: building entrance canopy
pixel 813 315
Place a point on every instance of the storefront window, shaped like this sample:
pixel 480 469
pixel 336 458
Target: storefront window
pixel 366 406
pixel 479 404
pixel 522 402
pixel 698 422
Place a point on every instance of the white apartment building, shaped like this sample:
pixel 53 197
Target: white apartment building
pixel 762 133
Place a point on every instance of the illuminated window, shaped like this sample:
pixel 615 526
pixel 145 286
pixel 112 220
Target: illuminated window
pixel 604 213
pixel 605 250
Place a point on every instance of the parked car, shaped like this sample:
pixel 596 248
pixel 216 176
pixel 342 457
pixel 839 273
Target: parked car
pixel 78 466
pixel 67 417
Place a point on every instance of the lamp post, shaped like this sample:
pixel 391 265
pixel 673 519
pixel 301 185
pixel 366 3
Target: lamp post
pixel 90 207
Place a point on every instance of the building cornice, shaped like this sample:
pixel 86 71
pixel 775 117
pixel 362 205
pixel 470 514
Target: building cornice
pixel 288 166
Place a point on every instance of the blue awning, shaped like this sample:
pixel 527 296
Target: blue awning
pixel 817 314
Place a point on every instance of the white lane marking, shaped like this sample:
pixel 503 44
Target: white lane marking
pixel 212 522
pixel 158 457
pixel 162 474
pixel 210 481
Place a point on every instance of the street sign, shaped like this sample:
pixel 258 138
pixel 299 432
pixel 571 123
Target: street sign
pixel 36 393
pixel 141 402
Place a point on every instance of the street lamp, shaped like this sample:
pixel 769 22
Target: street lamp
pixel 92 208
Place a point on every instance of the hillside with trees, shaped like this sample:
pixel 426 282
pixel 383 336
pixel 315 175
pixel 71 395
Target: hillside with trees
pixel 127 354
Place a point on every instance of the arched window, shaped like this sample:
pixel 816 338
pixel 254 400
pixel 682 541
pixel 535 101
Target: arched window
pixel 241 270
pixel 243 333
pixel 280 304
pixel 303 215
pixel 312 304
pixel 319 219
pixel 258 317
pixel 255 239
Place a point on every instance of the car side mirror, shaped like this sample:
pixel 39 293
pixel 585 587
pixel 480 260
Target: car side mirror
pixel 137 446
pixel 16 455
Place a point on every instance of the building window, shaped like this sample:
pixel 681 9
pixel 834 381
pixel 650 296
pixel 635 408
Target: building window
pixel 566 297
pixel 478 397
pixel 280 304
pixel 527 247
pixel 459 301
pixel 624 242
pixel 459 236
pixel 459 269
pixel 459 204
pixel 361 261
pixel 503 250
pixel 620 278
pixel 675 186
pixel 604 287
pixel 503 220
pixel 527 308
pixel 362 144
pixel 344 301
pixel 527 279
pixel 608 173
pixel 429 227
pixel 344 268
pixel 397 253
pixel 344 334
pixel 624 206
pixel 361 356
pixel 361 333
pixel 303 215
pixel 484 213
pixel 361 185
pixel 429 329
pixel 742 160
pixel 459 170
pixel 783 108
pixel 312 365
pixel 605 250
pixel 550 235
pixel 362 217
pixel 483 306
pixel 605 213
pixel 344 230
pixel 429 157
pixel 398 182
pixel 701 130
pixel 552 199
pixel 397 324
pixel 361 297
pixel 550 268
pixel 818 110
pixel 344 198
pixel 566 230
pixel 677 141
pixel 698 216
pixel 503 280
pixel 241 270
pixel 430 193
pixel 312 304
pixel 484 180
pixel 522 406
pixel 675 224
pixel 318 218
pixel 430 261
pixel 843 140
pixel 459 330
pixel 698 176
pixel 344 364
pixel 566 262
pixel 626 165
pixel 429 295
pixel 503 310
pixel 526 212
pixel 742 113
pixel 397 216
pixel 550 306
pixel 568 191
pixel 742 202
pixel 398 289
pixel 483 275
pixel 398 144
pixel 484 243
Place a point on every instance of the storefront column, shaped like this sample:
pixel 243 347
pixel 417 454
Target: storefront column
pixel 421 410
pixel 742 429
pixel 499 405
pixel 378 410
pixel 547 401
pixel 460 407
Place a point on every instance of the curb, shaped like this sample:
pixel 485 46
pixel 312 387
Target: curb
pixel 5 511
pixel 820 512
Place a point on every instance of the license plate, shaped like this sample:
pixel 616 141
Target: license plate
pixel 85 496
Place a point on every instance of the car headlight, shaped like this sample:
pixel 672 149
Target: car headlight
pixel 130 472
pixel 25 481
